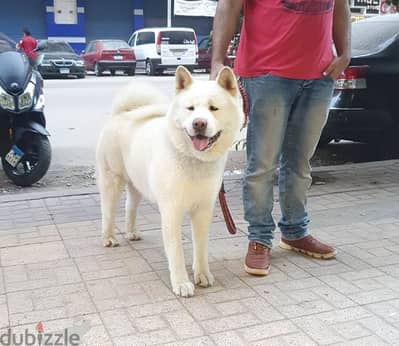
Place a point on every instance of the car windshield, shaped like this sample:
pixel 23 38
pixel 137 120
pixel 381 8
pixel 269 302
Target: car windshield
pixel 115 45
pixel 178 37
pixel 372 36
pixel 56 46
pixel 6 44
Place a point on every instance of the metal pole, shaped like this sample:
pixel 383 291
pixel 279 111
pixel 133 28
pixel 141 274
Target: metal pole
pixel 169 24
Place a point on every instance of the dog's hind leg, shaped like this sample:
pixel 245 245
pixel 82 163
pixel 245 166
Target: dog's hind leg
pixel 111 186
pixel 200 221
pixel 132 202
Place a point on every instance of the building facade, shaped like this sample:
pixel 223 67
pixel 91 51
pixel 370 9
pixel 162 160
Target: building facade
pixel 79 21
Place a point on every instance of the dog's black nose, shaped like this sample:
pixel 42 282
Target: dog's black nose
pixel 199 124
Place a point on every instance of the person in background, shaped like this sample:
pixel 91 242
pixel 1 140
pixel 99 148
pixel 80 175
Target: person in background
pixel 28 45
pixel 287 65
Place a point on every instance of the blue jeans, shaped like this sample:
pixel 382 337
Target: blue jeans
pixel 286 118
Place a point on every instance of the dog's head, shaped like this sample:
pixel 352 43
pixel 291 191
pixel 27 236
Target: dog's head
pixel 205 116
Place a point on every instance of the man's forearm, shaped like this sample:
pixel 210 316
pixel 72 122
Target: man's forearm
pixel 224 27
pixel 342 28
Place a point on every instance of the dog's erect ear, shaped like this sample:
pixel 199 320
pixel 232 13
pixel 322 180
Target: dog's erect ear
pixel 227 80
pixel 183 78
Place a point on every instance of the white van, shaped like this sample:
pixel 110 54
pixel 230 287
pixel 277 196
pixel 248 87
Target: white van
pixel 158 49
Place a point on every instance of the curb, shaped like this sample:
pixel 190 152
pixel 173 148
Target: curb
pixel 62 192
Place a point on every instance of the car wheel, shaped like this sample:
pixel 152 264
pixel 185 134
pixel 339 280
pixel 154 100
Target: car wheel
pixel 149 68
pixel 80 76
pixel 112 72
pixel 97 70
pixel 131 72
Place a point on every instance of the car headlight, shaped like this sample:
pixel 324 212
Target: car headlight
pixel 45 63
pixel 25 100
pixel 6 100
pixel 79 62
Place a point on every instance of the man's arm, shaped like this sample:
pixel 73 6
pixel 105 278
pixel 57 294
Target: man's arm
pixel 341 37
pixel 224 27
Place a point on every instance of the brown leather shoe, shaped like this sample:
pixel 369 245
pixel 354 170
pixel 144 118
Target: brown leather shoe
pixel 309 246
pixel 257 259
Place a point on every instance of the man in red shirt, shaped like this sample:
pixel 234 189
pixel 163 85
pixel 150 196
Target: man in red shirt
pixel 28 45
pixel 287 66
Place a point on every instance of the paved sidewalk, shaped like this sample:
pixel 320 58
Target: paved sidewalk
pixel 55 271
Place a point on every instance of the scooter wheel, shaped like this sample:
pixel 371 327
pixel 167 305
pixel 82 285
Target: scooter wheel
pixel 34 163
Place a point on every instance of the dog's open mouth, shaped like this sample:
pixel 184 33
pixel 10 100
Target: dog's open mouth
pixel 202 143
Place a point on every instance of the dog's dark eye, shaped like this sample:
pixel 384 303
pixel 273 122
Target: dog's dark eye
pixel 213 108
pixel 191 108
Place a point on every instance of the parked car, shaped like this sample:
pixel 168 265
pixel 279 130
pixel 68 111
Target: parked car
pixel 159 49
pixel 58 59
pixel 205 55
pixel 109 55
pixel 365 107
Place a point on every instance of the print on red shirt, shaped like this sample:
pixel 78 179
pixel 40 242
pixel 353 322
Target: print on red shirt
pixel 308 7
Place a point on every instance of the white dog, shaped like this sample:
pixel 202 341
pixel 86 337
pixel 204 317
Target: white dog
pixel 174 155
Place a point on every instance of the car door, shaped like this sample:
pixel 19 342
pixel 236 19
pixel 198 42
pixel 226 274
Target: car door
pixel 145 46
pixel 89 55
pixel 137 49
pixel 178 47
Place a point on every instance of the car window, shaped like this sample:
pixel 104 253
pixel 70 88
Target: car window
pixel 115 44
pixel 203 43
pixel 369 37
pixel 178 37
pixel 57 46
pixel 145 38
pixel 89 47
pixel 132 39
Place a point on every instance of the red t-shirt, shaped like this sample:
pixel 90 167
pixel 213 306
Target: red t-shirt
pixel 28 44
pixel 287 38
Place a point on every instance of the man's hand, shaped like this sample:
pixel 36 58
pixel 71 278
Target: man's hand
pixel 337 66
pixel 215 70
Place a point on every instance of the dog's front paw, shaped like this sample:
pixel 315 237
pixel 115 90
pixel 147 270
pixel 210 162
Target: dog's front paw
pixel 110 242
pixel 204 279
pixel 185 289
pixel 133 236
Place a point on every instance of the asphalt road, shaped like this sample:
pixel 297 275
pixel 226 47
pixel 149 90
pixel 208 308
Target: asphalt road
pixel 76 110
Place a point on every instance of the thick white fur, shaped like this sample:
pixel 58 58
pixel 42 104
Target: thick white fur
pixel 146 148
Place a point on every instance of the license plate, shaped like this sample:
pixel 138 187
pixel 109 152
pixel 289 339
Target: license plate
pixel 64 70
pixel 178 52
pixel 14 156
pixel 118 57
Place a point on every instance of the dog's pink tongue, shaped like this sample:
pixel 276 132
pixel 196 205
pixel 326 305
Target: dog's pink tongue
pixel 200 142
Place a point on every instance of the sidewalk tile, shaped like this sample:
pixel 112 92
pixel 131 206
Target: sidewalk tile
pixel 268 330
pixel 3 312
pixel 24 277
pixel 229 323
pixel 33 253
pixel 49 303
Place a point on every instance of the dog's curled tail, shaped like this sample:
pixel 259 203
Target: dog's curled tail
pixel 135 96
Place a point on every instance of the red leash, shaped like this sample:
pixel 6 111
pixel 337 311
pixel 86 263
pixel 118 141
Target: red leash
pixel 231 227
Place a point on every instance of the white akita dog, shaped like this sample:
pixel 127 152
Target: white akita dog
pixel 171 154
